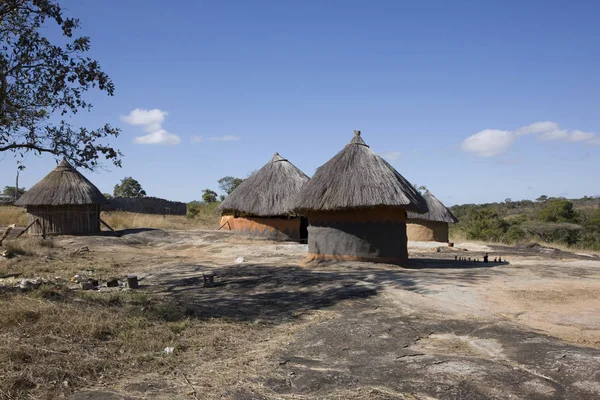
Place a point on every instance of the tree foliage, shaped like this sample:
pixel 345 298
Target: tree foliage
pixel 554 232
pixel 229 183
pixel 557 210
pixel 573 222
pixel 485 224
pixel 42 83
pixel 129 187
pixel 209 196
pixel 9 192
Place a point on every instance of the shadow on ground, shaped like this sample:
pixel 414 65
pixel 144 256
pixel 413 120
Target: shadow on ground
pixel 272 293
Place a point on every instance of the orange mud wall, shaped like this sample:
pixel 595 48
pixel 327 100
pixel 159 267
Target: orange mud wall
pixel 427 231
pixel 374 234
pixel 268 228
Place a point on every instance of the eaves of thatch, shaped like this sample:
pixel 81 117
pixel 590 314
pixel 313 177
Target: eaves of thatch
pixel 270 191
pixel 63 186
pixel 357 178
pixel 438 212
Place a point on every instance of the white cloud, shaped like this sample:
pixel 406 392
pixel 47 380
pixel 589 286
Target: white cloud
pixel 538 127
pixel 225 138
pixel 489 142
pixel 554 135
pixel 579 136
pixel 158 137
pixel 391 155
pixel 151 121
pixel 197 139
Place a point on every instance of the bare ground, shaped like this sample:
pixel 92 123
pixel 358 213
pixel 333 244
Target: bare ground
pixel 274 326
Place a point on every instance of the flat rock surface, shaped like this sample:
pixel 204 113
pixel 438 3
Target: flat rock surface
pixel 439 329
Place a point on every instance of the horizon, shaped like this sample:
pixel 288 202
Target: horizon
pixel 457 99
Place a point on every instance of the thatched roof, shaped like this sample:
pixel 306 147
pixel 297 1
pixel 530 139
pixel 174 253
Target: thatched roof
pixel 437 211
pixel 63 186
pixel 270 191
pixel 357 177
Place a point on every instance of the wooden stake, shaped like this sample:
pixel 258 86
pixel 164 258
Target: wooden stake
pixel 108 226
pixel 226 223
pixel 28 226
pixel 6 232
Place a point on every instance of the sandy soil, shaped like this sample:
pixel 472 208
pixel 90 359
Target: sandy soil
pixel 442 328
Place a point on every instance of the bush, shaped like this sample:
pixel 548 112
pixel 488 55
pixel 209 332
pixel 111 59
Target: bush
pixel 484 224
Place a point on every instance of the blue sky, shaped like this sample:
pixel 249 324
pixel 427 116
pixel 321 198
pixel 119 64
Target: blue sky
pixel 478 100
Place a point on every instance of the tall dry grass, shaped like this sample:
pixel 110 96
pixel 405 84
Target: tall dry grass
pixel 12 215
pixel 126 220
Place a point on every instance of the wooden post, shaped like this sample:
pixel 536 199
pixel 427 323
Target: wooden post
pixel 6 232
pixel 28 226
pixel 16 188
pixel 226 223
pixel 108 226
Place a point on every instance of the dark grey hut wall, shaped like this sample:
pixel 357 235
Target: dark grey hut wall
pixel 368 239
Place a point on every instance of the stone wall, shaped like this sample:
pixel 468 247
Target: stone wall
pixel 146 205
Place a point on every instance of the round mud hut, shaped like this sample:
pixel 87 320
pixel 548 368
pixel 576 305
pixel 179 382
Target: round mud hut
pixel 261 205
pixel 356 206
pixel 63 203
pixel 431 226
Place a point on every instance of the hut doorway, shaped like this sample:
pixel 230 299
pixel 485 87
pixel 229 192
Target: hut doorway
pixel 303 229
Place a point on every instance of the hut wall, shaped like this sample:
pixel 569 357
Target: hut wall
pixel 64 220
pixel 377 235
pixel 269 228
pixel 427 231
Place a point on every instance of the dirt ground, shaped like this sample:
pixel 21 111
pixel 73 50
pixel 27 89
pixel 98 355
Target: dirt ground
pixel 440 329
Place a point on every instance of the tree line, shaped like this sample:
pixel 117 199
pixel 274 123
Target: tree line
pixel 549 220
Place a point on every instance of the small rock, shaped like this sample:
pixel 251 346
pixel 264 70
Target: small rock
pixel 27 284
pixel 87 286
pixel 113 282
pixel 6 254
pixel 169 350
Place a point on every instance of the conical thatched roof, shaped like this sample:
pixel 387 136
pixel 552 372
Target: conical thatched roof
pixel 63 186
pixel 437 211
pixel 356 177
pixel 270 191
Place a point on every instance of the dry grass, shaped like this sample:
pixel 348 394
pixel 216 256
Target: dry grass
pixel 28 246
pixel 12 215
pixel 56 340
pixel 126 220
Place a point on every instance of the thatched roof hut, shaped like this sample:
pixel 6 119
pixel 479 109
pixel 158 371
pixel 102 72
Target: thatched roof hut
pixel 64 202
pixel 262 204
pixel 431 226
pixel 356 204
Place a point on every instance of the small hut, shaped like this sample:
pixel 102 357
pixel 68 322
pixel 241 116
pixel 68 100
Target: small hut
pixel 261 205
pixel 63 203
pixel 356 206
pixel 431 226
